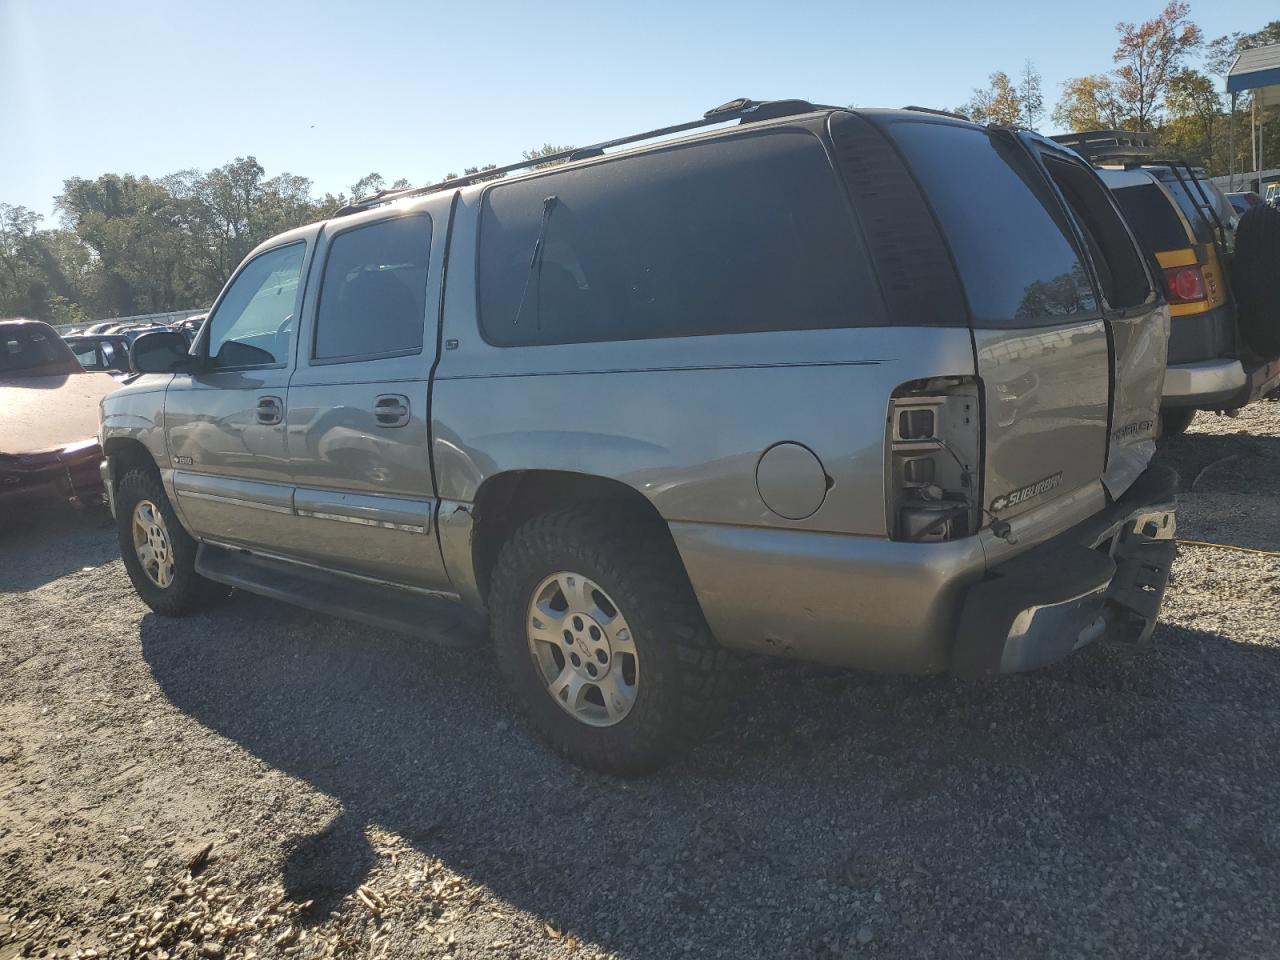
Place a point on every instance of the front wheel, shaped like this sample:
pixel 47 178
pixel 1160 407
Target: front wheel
pixel 597 631
pixel 158 554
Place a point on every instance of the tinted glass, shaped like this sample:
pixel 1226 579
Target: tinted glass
pixel 254 322
pixel 1116 260
pixel 741 234
pixel 373 299
pixel 34 349
pixel 1018 266
pixel 1153 218
pixel 86 352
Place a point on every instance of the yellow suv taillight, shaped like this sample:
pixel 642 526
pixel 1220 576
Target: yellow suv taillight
pixel 1184 284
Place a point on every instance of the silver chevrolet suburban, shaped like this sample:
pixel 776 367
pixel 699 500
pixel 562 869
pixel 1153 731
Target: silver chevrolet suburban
pixel 873 388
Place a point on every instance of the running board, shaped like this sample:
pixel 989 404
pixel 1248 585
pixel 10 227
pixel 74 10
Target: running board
pixel 431 617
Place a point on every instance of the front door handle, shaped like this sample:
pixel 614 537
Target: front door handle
pixel 391 410
pixel 270 410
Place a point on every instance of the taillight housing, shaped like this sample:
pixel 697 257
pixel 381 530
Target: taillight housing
pixel 1184 284
pixel 933 441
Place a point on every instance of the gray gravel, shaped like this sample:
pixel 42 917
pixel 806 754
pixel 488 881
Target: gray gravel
pixel 1115 805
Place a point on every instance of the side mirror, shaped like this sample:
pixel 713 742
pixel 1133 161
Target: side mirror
pixel 162 352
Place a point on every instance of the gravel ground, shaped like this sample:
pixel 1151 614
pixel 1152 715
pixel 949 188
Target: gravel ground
pixel 367 796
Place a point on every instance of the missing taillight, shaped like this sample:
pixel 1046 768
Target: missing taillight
pixel 1184 284
pixel 933 439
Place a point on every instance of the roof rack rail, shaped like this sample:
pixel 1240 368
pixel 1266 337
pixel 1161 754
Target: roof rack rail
pixel 743 110
pixel 941 113
pixel 1115 145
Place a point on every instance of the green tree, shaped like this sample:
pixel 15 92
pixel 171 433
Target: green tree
pixel 1222 52
pixel 546 150
pixel 1194 109
pixel 1030 96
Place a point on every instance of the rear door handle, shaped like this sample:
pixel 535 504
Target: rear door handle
pixel 391 410
pixel 270 410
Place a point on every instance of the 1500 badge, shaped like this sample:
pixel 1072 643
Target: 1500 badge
pixel 1022 494
pixel 183 461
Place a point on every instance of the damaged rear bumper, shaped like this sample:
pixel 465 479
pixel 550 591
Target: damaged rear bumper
pixel 1104 578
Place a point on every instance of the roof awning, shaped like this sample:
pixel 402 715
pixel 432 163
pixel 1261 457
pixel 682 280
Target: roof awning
pixel 1257 69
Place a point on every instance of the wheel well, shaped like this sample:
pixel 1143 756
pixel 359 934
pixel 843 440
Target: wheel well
pixel 507 500
pixel 126 454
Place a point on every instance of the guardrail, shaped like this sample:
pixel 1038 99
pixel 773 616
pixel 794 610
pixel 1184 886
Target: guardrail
pixel 172 316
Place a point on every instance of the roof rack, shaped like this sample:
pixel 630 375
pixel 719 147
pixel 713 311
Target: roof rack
pixel 742 110
pixel 1134 150
pixel 1098 146
pixel 941 113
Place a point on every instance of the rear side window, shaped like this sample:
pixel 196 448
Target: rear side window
pixel 1150 213
pixel 747 233
pixel 1116 260
pixel 1017 263
pixel 373 298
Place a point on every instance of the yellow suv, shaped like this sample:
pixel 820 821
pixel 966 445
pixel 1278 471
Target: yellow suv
pixel 1188 226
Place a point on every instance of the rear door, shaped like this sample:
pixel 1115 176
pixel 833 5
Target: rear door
pixel 1137 319
pixel 358 448
pixel 1039 335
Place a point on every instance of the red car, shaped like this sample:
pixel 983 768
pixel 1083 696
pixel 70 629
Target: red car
pixel 49 448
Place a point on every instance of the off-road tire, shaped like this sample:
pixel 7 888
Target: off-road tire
pixel 1175 421
pixel 686 678
pixel 1255 275
pixel 188 592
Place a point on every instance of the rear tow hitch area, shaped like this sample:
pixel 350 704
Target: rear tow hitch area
pixel 1102 580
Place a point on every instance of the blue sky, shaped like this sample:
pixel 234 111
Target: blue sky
pixel 332 90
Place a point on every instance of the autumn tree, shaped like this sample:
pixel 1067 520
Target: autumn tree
pixel 1089 103
pixel 1149 55
pixel 998 102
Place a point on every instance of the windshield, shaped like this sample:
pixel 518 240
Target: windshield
pixel 33 349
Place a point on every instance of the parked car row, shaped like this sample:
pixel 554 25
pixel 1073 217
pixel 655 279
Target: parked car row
pixel 105 346
pixel 877 388
pixel 49 449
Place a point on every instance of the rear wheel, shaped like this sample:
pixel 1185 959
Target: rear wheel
pixel 1174 422
pixel 159 555
pixel 598 633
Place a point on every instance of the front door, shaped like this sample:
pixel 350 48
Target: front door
pixel 358 424
pixel 225 423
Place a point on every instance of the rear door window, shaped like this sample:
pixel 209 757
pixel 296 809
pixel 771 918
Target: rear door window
pixel 734 235
pixel 1016 260
pixel 1116 260
pixel 373 299
pixel 1151 214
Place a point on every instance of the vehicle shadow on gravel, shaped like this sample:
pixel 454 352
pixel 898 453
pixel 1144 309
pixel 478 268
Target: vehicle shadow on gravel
pixel 836 807
pixel 1227 492
pixel 26 559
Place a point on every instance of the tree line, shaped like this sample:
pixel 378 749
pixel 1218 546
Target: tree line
pixel 128 245
pixel 1153 86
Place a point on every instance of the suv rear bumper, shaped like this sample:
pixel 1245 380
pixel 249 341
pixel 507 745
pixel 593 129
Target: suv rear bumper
pixel 1219 384
pixel 1202 382
pixel 932 607
pixel 1105 577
